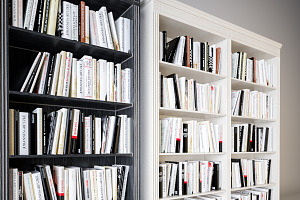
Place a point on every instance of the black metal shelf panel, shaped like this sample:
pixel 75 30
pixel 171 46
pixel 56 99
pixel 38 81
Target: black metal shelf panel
pixel 36 41
pixel 68 102
pixel 69 156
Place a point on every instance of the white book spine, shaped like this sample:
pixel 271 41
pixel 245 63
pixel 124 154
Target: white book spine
pixel 28 190
pixel 101 30
pixel 73 91
pixel 50 182
pixel 74 22
pixel 120 32
pixel 93 29
pixel 98 88
pixel 94 191
pixel 180 50
pixel 94 74
pixel 87 135
pixel 127 38
pixel 61 75
pixel 55 75
pixel 72 183
pixel 119 83
pixel 15 13
pixel 87 23
pixel 15 183
pixel 66 184
pixel 111 68
pixel 113 31
pixel 23 133
pixel 87 187
pixel 108 177
pixel 58 178
pixel 88 77
pixel 62 134
pixel 121 142
pixel 98 140
pixel 44 74
pixel 56 132
pixel 37 186
pixel 52 19
pixel 127 143
pixel 68 68
pixel 30 71
pixel 32 17
pixel 101 184
pixel 67 31
pixel 103 12
pixel 28 14
pixel 114 178
pixel 80 77
pixel 39 136
pixel 103 81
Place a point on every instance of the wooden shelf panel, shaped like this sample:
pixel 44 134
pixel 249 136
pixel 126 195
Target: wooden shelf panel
pixel 200 76
pixel 237 84
pixel 190 154
pixel 69 102
pixel 32 40
pixel 187 114
pixel 252 153
pixel 250 119
pixel 194 195
pixel 250 187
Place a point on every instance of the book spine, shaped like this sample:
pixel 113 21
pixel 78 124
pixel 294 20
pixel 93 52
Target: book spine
pixel 33 15
pixel 120 32
pixel 62 132
pixel 53 12
pixel 59 23
pixel 45 27
pixel 87 135
pixel 15 13
pixel 28 12
pixel 74 132
pixel 11 125
pixel 66 20
pixel 87 23
pixel 127 40
pixel 101 30
pixel 42 81
pixel 23 133
pixel 107 28
pixel 82 21
pixel 113 31
pixel 94 74
pixel 50 182
pixel 50 75
pixel 68 68
pixel 74 22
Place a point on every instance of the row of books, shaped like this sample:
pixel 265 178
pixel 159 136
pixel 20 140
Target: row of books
pixel 251 138
pixel 74 22
pixel 190 136
pixel 206 197
pixel 67 132
pixel 251 104
pixel 189 177
pixel 252 70
pixel 245 173
pixel 184 94
pixel 184 51
pixel 69 183
pixel 63 75
pixel 253 194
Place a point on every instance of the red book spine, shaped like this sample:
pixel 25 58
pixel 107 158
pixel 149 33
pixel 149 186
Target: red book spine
pixel 82 21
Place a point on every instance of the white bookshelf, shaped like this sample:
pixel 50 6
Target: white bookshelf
pixel 179 19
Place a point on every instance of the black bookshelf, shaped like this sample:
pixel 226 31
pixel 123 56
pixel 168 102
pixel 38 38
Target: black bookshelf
pixel 67 102
pixel 19 48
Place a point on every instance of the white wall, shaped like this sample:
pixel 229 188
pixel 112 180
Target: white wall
pixel 280 21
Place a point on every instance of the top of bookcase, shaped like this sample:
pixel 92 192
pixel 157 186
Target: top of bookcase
pixel 179 19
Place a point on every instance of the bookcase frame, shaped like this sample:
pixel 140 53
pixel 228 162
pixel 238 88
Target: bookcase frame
pixel 24 40
pixel 179 19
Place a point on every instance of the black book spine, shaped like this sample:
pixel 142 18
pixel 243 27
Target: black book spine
pixel 171 48
pixel 220 144
pixel 266 139
pixel 191 52
pixel 45 133
pixel 161 175
pixel 235 138
pixel 241 103
pixel 241 138
pixel 30 135
pixel 195 95
pixel 113 132
pixel 215 179
pixel 249 138
pixel 59 24
pixel 252 141
pixel 119 182
pixel 202 64
pixel 43 178
pixel 176 90
pixel 33 74
pixel 68 125
pixel 210 60
pixel 207 57
pixel 80 138
pixel 73 134
pixel 116 142
pixel 185 138
pixel 184 182
pixel 164 40
pixel 50 74
pixel 16 133
pixel 269 170
pixel 253 166
pixel 184 63
pixel 39 16
pixel 93 128
pixel 51 118
pixel 46 16
pixel 238 66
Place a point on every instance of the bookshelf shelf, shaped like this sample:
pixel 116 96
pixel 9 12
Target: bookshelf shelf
pixel 36 41
pixel 255 186
pixel 69 102
pixel 190 154
pixel 194 195
pixel 252 153
pixel 187 114
pixel 68 156
pixel 237 84
pixel 159 16
pixel 190 73
pixel 250 119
